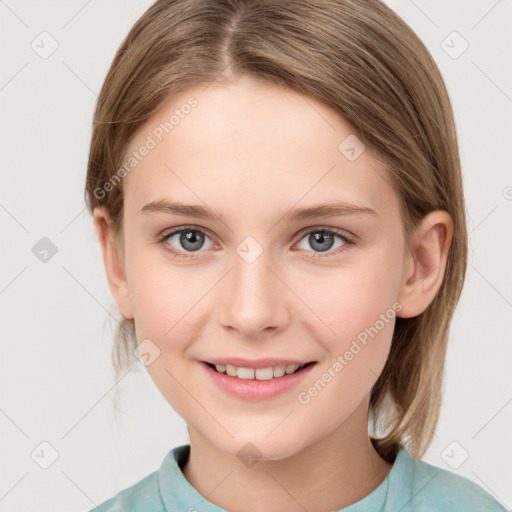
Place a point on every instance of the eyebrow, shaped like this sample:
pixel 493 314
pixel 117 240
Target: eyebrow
pixel 331 209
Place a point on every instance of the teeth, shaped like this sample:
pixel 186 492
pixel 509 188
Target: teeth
pixel 291 368
pixel 257 373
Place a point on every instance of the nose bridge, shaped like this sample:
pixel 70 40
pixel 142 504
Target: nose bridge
pixel 254 300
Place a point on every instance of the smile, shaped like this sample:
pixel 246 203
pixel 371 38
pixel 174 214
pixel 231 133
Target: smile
pixel 272 372
pixel 256 384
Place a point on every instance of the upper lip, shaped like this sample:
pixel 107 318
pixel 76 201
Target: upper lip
pixel 256 363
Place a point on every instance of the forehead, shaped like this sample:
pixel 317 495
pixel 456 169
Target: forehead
pixel 247 145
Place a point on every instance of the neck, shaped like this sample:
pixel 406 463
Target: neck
pixel 329 474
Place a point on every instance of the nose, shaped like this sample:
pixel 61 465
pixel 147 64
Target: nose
pixel 254 298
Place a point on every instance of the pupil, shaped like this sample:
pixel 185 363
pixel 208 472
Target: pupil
pixel 191 237
pixel 319 238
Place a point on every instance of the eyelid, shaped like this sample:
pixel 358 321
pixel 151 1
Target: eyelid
pixel 337 231
pixel 166 233
pixel 184 227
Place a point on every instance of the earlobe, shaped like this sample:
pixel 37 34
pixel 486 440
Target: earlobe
pixel 425 264
pixel 113 261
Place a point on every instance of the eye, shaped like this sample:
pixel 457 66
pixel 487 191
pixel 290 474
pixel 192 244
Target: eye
pixel 323 239
pixel 188 239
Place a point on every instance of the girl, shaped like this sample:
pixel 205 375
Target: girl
pixel 277 192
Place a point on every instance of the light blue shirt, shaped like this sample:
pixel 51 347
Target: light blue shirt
pixel 411 485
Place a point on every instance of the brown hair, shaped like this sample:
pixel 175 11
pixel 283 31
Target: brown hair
pixel 362 60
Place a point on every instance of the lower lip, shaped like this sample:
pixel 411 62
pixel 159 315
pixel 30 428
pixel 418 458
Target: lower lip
pixel 252 389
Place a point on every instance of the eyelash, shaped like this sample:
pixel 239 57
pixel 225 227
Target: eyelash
pixel 187 255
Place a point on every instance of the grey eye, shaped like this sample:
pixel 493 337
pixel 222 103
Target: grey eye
pixel 322 240
pixel 189 240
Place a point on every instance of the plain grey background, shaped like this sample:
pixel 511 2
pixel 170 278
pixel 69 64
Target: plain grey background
pixel 61 447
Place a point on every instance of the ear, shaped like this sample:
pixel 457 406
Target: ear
pixel 425 263
pixel 113 261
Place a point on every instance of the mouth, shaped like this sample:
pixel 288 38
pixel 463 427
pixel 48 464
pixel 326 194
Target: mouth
pixel 257 384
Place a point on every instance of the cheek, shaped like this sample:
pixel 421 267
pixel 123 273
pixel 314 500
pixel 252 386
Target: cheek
pixel 358 318
pixel 166 304
pixel 350 300
pixel 355 310
pixel 165 301
pixel 160 291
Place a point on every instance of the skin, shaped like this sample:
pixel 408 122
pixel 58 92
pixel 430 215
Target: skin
pixel 251 151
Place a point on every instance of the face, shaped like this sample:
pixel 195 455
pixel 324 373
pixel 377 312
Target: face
pixel 261 282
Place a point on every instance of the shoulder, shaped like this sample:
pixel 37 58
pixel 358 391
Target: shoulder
pixel 434 488
pixel 140 497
